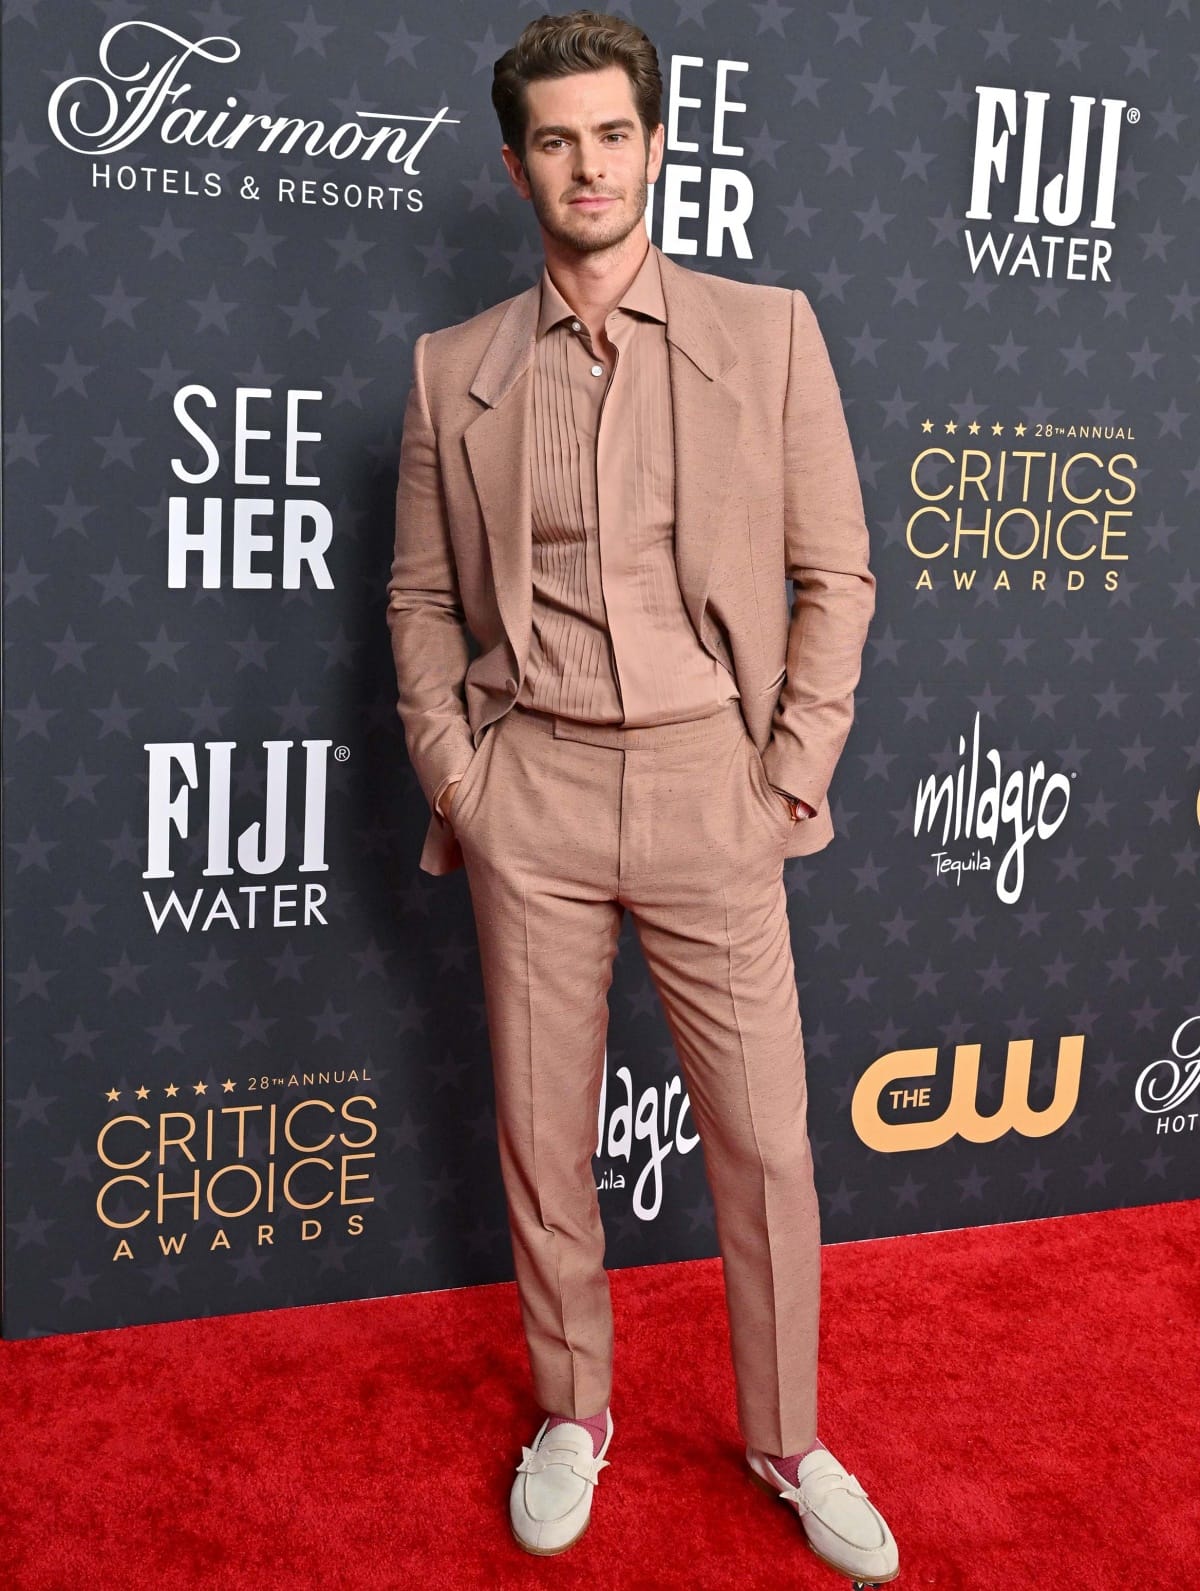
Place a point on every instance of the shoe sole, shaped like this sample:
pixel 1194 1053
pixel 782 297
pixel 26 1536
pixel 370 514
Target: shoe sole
pixel 859 1579
pixel 548 1552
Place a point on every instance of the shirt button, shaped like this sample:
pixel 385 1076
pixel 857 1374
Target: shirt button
pixel 597 370
pixel 575 326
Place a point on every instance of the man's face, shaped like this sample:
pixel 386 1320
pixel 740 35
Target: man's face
pixel 585 141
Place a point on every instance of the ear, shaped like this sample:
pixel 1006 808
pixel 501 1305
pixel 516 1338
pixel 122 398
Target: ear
pixel 654 155
pixel 516 170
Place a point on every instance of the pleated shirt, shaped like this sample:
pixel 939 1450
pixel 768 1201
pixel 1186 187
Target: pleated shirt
pixel 612 642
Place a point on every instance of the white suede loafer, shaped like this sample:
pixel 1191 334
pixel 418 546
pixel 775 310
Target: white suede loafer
pixel 842 1524
pixel 550 1504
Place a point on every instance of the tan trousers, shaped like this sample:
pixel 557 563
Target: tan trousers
pixel 563 825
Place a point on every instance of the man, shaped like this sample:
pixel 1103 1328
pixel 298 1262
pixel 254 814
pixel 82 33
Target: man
pixel 607 479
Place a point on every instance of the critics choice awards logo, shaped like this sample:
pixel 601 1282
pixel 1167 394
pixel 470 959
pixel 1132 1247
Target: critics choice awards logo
pixel 1001 514
pixel 268 1166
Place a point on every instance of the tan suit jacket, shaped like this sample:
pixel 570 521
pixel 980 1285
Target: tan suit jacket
pixel 765 489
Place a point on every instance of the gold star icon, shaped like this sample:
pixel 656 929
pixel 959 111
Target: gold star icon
pixel 997 428
pixel 951 427
pixel 1019 428
pixel 228 1087
pixel 171 1090
pixel 143 1093
pixel 973 428
pixel 113 1095
pixel 927 425
pixel 200 1088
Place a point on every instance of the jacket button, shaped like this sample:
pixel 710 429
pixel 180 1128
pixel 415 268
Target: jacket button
pixel 510 685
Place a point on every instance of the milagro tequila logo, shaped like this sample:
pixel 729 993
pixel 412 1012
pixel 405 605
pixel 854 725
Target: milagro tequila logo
pixel 1167 1084
pixel 260 853
pixel 1004 115
pixel 970 804
pixel 648 1128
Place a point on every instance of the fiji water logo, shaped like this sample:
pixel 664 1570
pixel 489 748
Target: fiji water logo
pixel 995 808
pixel 190 806
pixel 1067 209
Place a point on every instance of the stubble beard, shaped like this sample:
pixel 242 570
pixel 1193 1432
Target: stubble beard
pixel 590 235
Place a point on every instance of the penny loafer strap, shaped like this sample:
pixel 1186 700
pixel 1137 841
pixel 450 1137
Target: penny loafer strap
pixel 535 1461
pixel 806 1499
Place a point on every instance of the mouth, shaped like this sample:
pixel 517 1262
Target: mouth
pixel 594 203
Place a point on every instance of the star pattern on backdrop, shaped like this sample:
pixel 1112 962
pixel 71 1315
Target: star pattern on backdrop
pixel 856 141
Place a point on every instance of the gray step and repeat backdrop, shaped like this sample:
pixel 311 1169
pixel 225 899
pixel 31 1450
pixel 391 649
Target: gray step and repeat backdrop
pixel 245 1060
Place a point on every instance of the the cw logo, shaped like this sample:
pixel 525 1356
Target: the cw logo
pixel 962 1116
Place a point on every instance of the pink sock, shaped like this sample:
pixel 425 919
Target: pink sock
pixel 788 1466
pixel 597 1424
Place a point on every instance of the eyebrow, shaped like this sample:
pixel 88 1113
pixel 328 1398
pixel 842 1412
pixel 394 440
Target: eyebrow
pixel 569 132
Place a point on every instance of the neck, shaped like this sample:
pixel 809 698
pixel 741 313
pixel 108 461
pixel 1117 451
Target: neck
pixel 593 283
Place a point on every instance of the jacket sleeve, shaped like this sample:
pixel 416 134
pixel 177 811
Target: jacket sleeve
pixel 424 610
pixel 827 550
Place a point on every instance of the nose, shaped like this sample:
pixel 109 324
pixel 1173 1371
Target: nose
pixel 588 165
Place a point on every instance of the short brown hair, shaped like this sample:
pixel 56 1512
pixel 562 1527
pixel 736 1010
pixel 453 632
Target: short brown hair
pixel 580 41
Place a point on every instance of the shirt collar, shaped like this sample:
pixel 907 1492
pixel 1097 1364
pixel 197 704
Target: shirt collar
pixel 644 295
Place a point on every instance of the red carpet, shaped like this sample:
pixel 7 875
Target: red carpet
pixel 1020 1400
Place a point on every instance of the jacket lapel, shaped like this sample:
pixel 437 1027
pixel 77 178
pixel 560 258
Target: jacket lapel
pixel 707 418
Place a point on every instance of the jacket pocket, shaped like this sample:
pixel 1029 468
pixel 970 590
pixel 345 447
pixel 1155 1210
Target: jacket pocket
pixel 765 790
